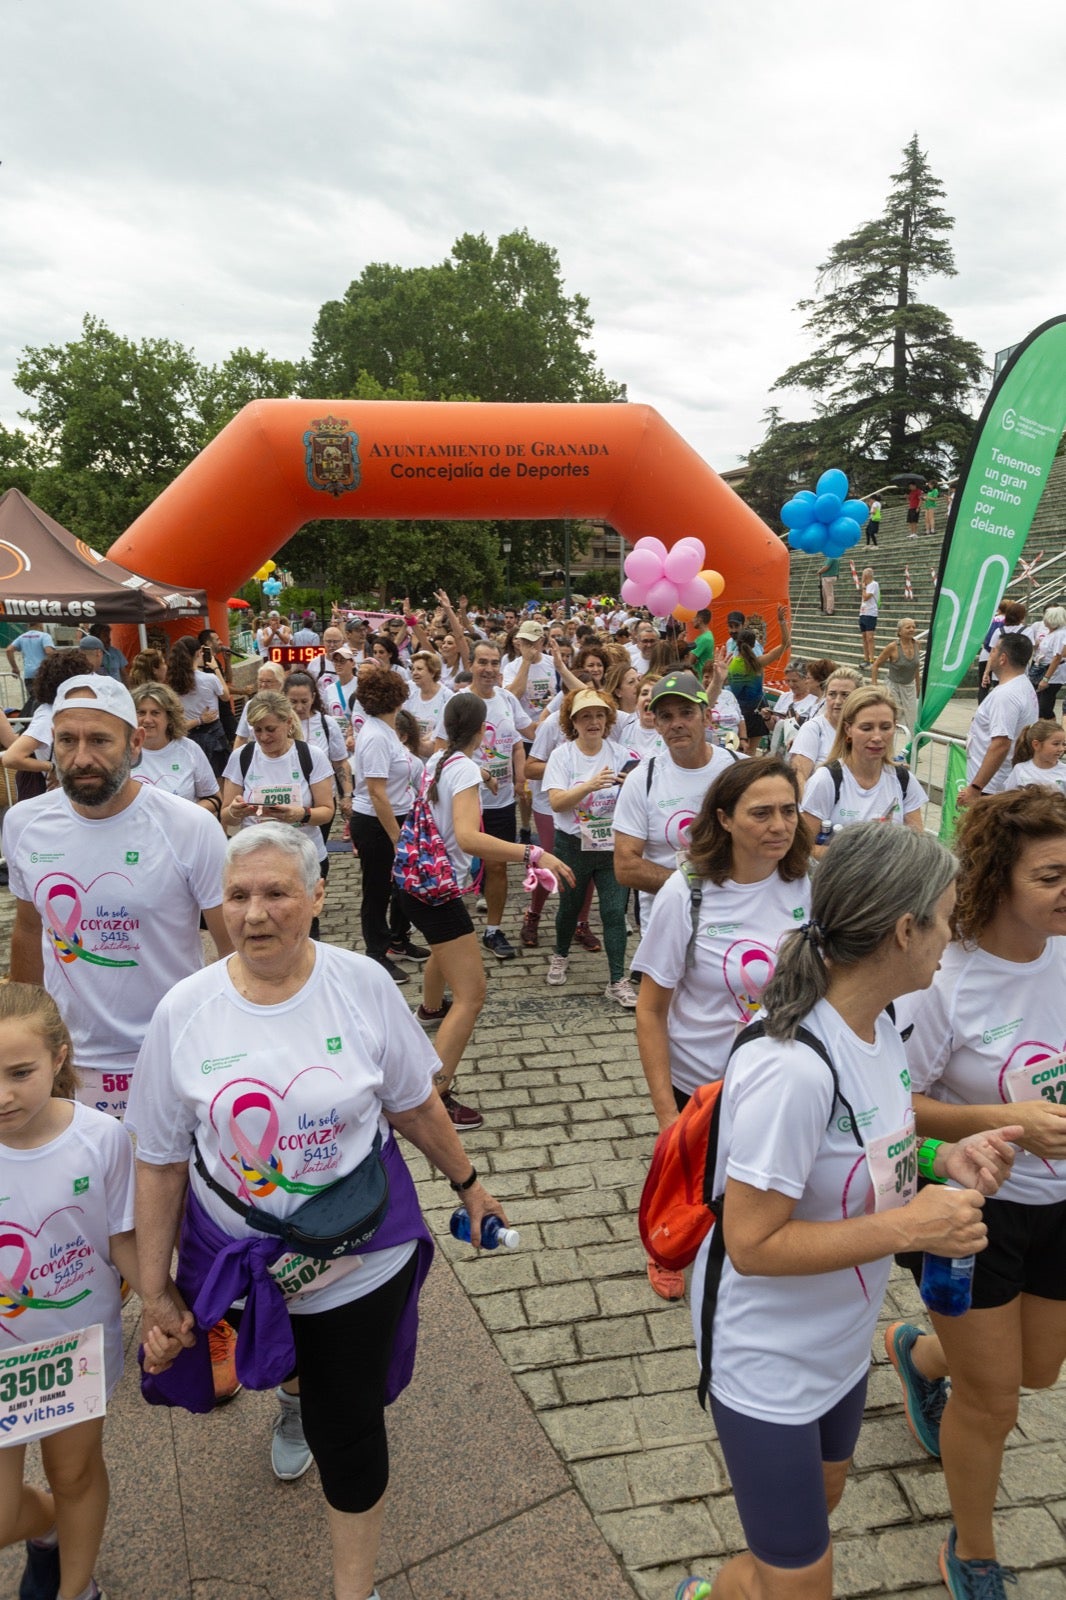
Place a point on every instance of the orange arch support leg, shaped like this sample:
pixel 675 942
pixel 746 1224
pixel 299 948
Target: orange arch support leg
pixel 282 463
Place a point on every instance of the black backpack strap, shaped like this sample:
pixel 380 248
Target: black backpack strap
pixel 903 778
pixel 303 750
pixel 695 901
pixel 649 768
pixel 836 772
pixel 244 756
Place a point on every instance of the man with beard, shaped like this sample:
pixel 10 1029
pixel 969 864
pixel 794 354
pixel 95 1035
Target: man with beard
pixel 110 877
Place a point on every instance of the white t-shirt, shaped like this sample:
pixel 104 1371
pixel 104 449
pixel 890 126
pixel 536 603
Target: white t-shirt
pixel 180 768
pixel 504 716
pixel 725 716
pixel 281 1095
pixel 60 1204
pixel 1028 772
pixel 567 767
pixel 786 1349
pixel 204 696
pixel 814 740
pixel 1004 712
pixel 429 714
pixel 380 754
pixel 788 706
pixel 322 733
pixel 119 900
pixel 338 700
pixel 458 774
pixel 540 684
pixel 868 606
pixel 279 781
pixel 1053 646
pixel 981 1018
pixel 663 815
pixel 885 802
pixel 546 739
pixel 39 727
pixel 739 929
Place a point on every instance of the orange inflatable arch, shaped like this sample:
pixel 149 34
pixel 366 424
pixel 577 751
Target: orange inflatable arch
pixel 282 463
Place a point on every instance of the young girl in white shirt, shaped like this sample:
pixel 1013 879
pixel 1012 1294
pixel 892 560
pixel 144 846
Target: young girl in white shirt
pixel 66 1194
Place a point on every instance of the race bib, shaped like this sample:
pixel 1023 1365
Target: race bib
pixel 104 1091
pixel 295 1274
pixel 52 1384
pixel 596 833
pixel 270 794
pixel 1038 1080
pixel 892 1162
pixel 498 767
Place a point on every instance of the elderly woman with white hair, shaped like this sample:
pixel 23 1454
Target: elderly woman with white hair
pixel 1053 652
pixel 268 1093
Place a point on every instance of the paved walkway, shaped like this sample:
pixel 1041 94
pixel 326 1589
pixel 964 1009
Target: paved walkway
pixel 551 1445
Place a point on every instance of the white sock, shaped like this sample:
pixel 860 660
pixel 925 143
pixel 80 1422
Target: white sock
pixel 493 927
pixel 47 1541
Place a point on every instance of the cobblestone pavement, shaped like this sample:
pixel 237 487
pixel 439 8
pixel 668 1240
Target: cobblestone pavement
pixel 607 1368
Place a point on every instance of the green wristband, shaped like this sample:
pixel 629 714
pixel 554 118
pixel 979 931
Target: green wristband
pixel 926 1156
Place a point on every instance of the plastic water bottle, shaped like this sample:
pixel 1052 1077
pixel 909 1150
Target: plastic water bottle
pixel 947 1283
pixel 825 832
pixel 493 1232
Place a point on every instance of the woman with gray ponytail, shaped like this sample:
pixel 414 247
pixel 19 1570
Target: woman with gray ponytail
pixel 818 1161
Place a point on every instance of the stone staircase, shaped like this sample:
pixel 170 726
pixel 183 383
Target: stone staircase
pixel 815 635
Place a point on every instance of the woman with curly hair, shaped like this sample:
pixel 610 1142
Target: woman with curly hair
pixel 582 780
pixel 985 1052
pixel 150 666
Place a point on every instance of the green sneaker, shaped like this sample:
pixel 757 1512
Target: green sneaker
pixel 973 1580
pixel 924 1399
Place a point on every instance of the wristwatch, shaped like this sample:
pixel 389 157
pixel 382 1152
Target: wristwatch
pixel 307 816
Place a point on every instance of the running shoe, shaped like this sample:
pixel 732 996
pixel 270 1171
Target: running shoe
pixel 40 1576
pixel 693 1589
pixel 222 1343
pixel 501 948
pixel 290 1456
pixel 464 1119
pixel 973 1580
pixel 481 904
pixel 407 950
pixel 397 974
pixel 584 936
pixel 924 1398
pixel 529 933
pixel 432 1019
pixel 622 993
pixel 667 1285
pixel 557 966
pixel 525 836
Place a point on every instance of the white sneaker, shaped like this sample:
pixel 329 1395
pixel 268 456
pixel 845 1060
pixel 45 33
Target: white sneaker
pixel 482 904
pixel 290 1455
pixel 622 993
pixel 557 969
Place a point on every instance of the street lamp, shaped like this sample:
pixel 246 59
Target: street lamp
pixel 507 553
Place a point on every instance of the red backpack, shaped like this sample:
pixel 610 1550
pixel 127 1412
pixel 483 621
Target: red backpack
pixel 678 1205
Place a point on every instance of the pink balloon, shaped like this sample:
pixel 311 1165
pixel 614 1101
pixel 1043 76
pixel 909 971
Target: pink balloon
pixel 682 563
pixel 649 542
pixel 644 567
pixel 691 540
pixel 632 593
pixel 695 594
pixel 661 598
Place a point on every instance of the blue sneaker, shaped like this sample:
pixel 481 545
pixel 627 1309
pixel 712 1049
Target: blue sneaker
pixel 693 1589
pixel 924 1399
pixel 40 1576
pixel 973 1580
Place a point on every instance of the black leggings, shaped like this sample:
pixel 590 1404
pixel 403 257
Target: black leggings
pixel 342 1357
pixel 381 917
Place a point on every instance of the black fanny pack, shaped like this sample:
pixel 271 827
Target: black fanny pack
pixel 337 1221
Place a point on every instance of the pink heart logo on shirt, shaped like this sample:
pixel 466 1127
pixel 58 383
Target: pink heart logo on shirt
pixel 748 967
pixel 16 1291
pixel 246 1117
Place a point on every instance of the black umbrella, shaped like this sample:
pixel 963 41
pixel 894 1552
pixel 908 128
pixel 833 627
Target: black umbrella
pixel 904 480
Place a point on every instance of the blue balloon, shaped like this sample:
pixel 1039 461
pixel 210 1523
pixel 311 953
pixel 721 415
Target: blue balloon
pixel 805 494
pixel 858 510
pixel 827 508
pixel 833 482
pixel 845 531
pixel 796 513
pixel 809 540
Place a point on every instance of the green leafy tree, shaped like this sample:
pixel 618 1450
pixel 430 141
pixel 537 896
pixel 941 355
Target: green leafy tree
pixel 16 460
pixel 893 382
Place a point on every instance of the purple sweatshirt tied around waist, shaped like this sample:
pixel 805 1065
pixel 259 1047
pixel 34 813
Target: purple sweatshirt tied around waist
pixel 215 1270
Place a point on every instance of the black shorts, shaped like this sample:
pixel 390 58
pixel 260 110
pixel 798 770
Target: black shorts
pixel 755 724
pixel 500 823
pixel 912 515
pixel 441 923
pixel 867 624
pixel 1026 1254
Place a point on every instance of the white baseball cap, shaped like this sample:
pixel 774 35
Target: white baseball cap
pixel 97 694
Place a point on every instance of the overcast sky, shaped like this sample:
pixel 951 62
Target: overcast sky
pixel 213 171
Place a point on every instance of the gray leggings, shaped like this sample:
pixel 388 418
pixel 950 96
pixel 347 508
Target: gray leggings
pixel 591 866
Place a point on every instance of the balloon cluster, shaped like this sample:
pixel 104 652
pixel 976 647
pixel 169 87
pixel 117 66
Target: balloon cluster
pixel 825 522
pixel 670 582
pixel 264 571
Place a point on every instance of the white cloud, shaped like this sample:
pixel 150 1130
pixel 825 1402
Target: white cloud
pixel 214 173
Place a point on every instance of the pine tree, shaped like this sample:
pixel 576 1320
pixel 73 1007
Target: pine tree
pixel 893 381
